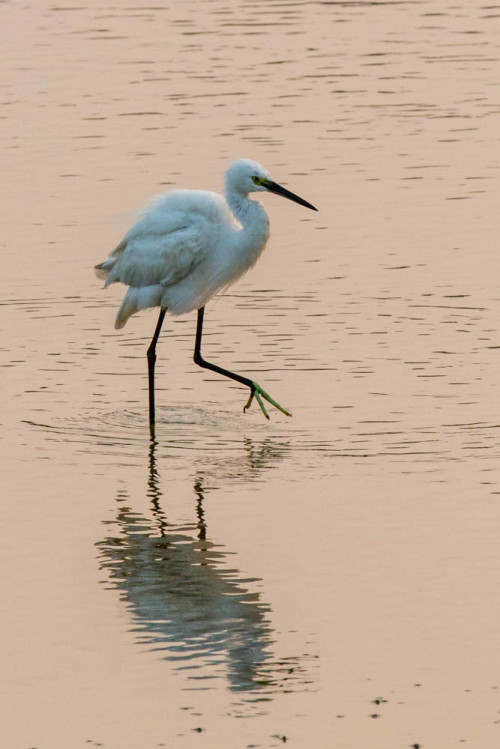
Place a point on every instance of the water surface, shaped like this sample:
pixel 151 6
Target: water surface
pixel 330 578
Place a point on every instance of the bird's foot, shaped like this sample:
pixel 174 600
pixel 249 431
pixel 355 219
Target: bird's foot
pixel 259 394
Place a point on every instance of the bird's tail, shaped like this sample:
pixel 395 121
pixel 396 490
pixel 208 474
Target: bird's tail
pixel 136 299
pixel 102 270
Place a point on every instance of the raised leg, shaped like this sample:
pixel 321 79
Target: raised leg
pixel 255 389
pixel 151 372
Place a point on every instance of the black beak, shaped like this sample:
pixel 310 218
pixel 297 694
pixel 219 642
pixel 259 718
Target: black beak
pixel 278 190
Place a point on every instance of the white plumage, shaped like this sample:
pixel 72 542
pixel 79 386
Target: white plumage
pixel 188 245
pixel 191 244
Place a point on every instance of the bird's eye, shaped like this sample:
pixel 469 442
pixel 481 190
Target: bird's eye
pixel 257 180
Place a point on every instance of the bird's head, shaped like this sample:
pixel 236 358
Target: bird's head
pixel 245 176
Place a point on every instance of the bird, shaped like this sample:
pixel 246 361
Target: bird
pixel 187 246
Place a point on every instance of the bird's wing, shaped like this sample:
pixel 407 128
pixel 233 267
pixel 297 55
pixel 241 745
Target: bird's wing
pixel 169 241
pixel 157 259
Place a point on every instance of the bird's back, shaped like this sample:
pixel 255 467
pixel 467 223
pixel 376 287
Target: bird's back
pixel 182 207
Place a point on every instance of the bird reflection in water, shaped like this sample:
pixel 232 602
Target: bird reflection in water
pixel 185 600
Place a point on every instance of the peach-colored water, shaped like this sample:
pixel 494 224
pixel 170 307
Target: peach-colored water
pixel 330 580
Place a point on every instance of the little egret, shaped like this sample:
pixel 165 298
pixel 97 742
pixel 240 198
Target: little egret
pixel 188 245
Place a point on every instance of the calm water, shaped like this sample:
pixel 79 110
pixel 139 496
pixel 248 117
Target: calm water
pixel 332 578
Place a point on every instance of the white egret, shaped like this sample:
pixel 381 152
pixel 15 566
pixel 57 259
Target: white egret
pixel 189 245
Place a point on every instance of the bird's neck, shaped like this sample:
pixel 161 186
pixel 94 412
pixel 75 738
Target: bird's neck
pixel 253 219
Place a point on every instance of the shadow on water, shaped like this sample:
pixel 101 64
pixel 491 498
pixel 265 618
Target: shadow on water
pixel 207 617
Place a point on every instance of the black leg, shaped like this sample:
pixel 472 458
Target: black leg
pixel 151 371
pixel 255 389
pixel 207 365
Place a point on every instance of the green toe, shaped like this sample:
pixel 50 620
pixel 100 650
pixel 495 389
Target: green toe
pixel 259 394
